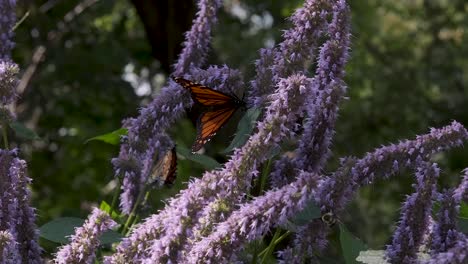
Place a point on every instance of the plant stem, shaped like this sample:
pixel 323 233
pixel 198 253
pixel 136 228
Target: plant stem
pixel 270 247
pixel 116 196
pixel 276 242
pixel 132 213
pixel 266 170
pixel 5 135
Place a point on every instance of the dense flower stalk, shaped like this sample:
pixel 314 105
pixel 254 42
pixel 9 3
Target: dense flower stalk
pixel 461 192
pixel 254 220
pixel 171 225
pixel 86 239
pixel 294 54
pixel 336 191
pixel 322 108
pixel 458 254
pixel 8 82
pixel 7 22
pixel 414 221
pixel 146 141
pixel 197 40
pixel 445 234
pixel 16 215
pixel 8 248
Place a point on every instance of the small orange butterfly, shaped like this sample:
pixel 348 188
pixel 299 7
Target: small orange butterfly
pixel 220 107
pixel 165 169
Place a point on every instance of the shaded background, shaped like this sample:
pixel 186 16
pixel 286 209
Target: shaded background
pixel 88 64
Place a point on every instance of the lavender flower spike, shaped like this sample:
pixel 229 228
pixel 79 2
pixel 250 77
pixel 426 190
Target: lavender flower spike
pixel 148 128
pixel 336 191
pixel 445 234
pixel 16 215
pixel 85 241
pixel 8 82
pixel 7 21
pixel 458 254
pixel 198 38
pixel 254 220
pixel 7 248
pixel 461 192
pixel 166 231
pixel 294 54
pixel 414 221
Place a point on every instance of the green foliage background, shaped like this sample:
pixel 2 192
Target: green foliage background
pixel 408 71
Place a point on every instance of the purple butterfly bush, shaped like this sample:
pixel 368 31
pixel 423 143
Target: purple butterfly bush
pixel 18 233
pixel 17 217
pixel 148 129
pixel 7 21
pixel 86 240
pixel 212 220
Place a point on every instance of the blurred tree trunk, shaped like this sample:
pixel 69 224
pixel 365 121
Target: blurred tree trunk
pixel 165 23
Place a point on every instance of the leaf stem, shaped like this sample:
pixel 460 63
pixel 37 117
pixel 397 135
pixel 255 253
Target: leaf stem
pixel 270 247
pixel 115 197
pixel 133 212
pixel 5 135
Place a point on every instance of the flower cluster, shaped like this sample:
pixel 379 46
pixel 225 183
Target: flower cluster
pixel 17 218
pixel 86 240
pixel 7 21
pixel 213 218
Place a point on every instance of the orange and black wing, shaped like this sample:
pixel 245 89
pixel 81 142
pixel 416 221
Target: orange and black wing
pixel 169 170
pixel 204 95
pixel 165 170
pixel 210 122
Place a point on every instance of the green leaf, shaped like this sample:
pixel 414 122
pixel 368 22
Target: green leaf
pixel 350 245
pixel 244 129
pixel 464 210
pixel 59 230
pixel 110 236
pixel 23 132
pixel 112 138
pixel 310 212
pixel 104 206
pixel 207 162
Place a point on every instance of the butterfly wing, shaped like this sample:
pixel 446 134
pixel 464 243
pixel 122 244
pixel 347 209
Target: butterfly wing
pixel 164 171
pixel 210 122
pixel 205 95
pixel 170 167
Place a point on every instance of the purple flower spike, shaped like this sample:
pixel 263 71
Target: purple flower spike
pixel 197 40
pixel 458 254
pixel 16 215
pixel 294 54
pixel 8 82
pixel 7 21
pixel 415 216
pixel 336 191
pixel 445 234
pixel 8 248
pixel 328 90
pixel 253 220
pixel 300 41
pixel 461 192
pixel 219 191
pixel 85 241
pixel 146 141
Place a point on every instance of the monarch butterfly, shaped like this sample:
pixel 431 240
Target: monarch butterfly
pixel 220 107
pixel 165 169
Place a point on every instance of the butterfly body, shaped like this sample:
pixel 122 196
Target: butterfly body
pixel 218 107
